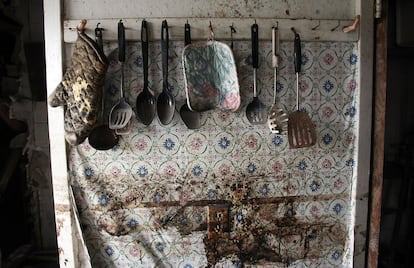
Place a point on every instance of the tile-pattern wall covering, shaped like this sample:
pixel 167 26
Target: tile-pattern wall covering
pixel 147 201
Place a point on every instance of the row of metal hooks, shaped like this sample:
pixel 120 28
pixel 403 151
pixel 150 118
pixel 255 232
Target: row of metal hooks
pixel 345 29
pixel 228 28
pixel 349 28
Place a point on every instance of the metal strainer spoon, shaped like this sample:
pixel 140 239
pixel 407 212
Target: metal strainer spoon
pixel 277 118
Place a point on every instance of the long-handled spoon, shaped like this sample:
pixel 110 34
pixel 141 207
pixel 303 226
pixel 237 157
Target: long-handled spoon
pixel 145 103
pixel 165 100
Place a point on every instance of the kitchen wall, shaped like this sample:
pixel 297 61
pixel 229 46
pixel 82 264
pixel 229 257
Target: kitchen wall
pixel 150 199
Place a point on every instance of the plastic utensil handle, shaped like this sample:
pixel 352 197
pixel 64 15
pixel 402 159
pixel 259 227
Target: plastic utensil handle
pixel 255 46
pixel 275 47
pixel 121 41
pixel 297 53
pixel 164 49
pixel 144 46
pixel 187 34
pixel 98 36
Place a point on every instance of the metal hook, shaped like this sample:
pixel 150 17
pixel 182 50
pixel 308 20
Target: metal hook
pixel 211 32
pixel 277 25
pixel 293 30
pixel 99 28
pixel 336 27
pixel 317 26
pixel 232 31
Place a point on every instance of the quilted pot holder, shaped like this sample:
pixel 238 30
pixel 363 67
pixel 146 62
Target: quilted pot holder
pixel 210 77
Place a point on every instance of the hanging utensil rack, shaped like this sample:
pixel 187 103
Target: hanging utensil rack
pixel 310 29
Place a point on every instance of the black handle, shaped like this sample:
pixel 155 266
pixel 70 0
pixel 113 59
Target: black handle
pixel 164 51
pixel 121 41
pixel 297 54
pixel 187 34
pixel 255 46
pixel 98 36
pixel 144 46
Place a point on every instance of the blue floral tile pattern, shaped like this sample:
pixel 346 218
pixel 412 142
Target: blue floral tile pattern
pixel 145 202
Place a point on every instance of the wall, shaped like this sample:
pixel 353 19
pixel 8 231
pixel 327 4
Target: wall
pixel 240 123
pixel 23 87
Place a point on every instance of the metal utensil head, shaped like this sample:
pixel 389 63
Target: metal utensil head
pixel 191 119
pixel 277 120
pixel 120 115
pixel 256 112
pixel 301 130
pixel 127 129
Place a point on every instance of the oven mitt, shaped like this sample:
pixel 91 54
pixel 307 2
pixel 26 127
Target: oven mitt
pixel 80 90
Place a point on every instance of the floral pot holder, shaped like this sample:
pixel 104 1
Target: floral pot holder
pixel 210 77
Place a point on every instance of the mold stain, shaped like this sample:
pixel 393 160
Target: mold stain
pixel 257 232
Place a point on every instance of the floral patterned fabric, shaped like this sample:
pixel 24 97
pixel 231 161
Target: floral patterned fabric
pixel 148 201
pixel 210 77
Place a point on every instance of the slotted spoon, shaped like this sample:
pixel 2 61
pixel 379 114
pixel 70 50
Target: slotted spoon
pixel 277 118
pixel 256 111
pixel 121 112
pixel 301 130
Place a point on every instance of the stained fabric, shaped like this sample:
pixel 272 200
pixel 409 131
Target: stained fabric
pixel 229 193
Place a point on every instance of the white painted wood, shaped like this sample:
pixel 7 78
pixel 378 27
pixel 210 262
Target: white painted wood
pixel 301 14
pixel 310 30
pixel 366 54
pixel 53 48
pixel 287 9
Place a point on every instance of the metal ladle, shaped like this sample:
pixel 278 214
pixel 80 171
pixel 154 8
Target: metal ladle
pixel 102 137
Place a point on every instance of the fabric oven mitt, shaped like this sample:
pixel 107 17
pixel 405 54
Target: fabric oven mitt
pixel 80 90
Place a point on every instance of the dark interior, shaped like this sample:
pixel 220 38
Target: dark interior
pixel 16 226
pixel 396 236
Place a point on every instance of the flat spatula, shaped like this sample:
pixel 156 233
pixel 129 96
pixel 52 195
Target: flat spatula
pixel 301 130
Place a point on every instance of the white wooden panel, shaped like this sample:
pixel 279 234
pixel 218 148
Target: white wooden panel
pixel 53 48
pixel 310 30
pixel 366 52
pixel 289 9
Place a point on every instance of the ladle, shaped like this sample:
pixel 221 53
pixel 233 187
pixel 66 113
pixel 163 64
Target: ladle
pixel 191 119
pixel 102 137
pixel 165 100
pixel 255 111
pixel 145 103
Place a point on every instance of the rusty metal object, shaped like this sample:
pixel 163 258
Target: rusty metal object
pixel 378 142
